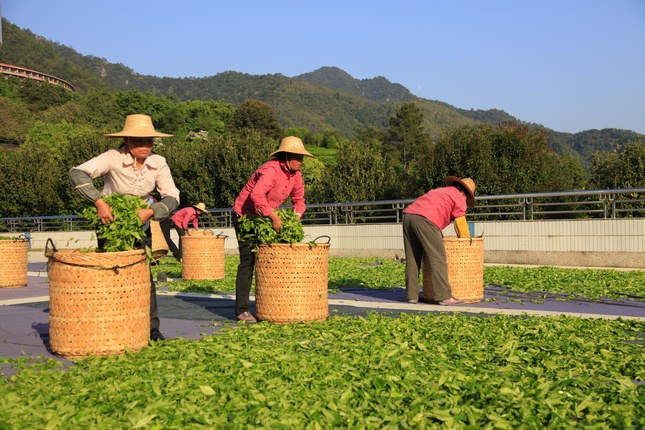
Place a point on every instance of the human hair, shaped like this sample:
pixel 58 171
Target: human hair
pixel 461 188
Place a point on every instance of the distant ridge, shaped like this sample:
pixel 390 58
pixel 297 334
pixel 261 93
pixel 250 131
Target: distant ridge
pixel 378 89
pixel 327 98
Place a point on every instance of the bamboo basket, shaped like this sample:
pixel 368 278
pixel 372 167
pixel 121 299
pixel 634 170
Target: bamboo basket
pixel 13 262
pixel 291 282
pixel 159 245
pixel 99 302
pixel 465 269
pixel 202 256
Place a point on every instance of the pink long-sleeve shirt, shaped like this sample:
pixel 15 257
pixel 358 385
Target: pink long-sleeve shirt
pixel 186 216
pixel 268 188
pixel 440 206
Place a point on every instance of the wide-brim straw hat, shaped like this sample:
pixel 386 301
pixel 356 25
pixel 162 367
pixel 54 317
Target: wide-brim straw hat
pixel 200 207
pixel 138 126
pixel 293 145
pixel 468 185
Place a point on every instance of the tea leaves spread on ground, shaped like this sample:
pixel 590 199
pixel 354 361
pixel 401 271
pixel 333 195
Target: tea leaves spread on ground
pixel 412 371
pixel 592 284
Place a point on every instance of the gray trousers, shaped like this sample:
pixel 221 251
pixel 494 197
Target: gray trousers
pixel 420 237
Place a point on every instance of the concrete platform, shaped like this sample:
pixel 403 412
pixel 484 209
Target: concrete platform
pixel 24 313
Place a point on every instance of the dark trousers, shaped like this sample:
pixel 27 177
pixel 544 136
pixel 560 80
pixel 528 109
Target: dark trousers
pixel 166 224
pixel 420 237
pixel 154 313
pixel 244 278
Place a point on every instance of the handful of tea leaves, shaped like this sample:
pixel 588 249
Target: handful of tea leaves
pixel 126 229
pixel 259 229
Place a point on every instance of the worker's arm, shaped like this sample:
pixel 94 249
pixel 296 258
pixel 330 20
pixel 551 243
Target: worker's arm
pixel 461 227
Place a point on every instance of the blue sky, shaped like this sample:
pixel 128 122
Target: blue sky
pixel 570 65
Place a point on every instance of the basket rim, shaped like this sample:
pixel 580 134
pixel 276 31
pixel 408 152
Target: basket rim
pixel 291 245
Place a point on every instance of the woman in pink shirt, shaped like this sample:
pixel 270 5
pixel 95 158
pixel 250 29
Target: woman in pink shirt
pixel 423 224
pixel 266 190
pixel 180 221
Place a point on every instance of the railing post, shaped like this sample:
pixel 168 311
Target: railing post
pixel 348 214
pixel 612 199
pixel 399 211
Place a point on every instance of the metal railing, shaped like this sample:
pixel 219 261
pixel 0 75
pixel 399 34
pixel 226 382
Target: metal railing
pixel 615 203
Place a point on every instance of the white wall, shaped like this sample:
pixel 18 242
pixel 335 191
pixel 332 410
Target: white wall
pixel 586 243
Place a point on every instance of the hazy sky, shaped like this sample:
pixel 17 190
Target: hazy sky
pixel 569 65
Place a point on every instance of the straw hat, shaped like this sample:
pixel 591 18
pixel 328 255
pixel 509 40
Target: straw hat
pixel 200 207
pixel 468 185
pixel 293 145
pixel 138 126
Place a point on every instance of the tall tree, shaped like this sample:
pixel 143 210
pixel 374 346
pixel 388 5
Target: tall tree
pixel 258 116
pixel 406 134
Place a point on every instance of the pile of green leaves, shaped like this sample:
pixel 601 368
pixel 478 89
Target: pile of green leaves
pixel 414 371
pixel 259 229
pixel 126 229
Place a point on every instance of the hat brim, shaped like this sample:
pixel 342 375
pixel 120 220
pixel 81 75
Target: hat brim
pixel 300 151
pixel 135 134
pixel 200 209
pixel 470 198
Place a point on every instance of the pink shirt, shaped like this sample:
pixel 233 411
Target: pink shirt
pixel 440 206
pixel 182 217
pixel 268 188
pixel 120 174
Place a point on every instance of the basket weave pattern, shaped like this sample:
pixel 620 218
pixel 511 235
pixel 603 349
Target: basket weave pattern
pixel 203 256
pixel 99 302
pixel 13 263
pixel 159 245
pixel 465 269
pixel 291 283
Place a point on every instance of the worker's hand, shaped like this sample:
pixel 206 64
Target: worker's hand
pixel 187 232
pixel 104 211
pixel 276 221
pixel 145 215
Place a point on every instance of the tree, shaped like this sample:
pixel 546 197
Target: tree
pixel 622 168
pixel 40 96
pixel 360 174
pixel 508 158
pixel 258 116
pixel 406 134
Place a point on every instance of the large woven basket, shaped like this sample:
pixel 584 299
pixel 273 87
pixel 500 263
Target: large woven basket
pixel 99 302
pixel 13 262
pixel 465 269
pixel 291 282
pixel 202 255
pixel 159 245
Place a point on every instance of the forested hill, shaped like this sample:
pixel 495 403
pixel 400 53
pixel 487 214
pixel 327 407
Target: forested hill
pixel 378 89
pixel 327 98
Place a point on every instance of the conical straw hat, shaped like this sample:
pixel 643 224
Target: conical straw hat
pixel 201 207
pixel 293 145
pixel 138 126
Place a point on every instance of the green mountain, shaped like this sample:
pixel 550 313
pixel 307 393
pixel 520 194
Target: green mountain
pixel 327 98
